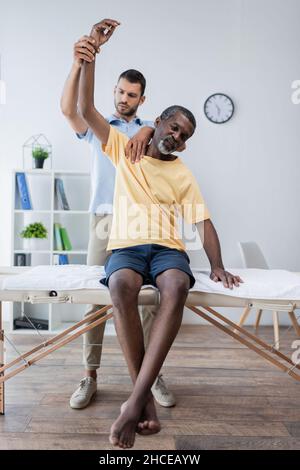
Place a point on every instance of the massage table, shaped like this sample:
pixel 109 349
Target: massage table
pixel 276 290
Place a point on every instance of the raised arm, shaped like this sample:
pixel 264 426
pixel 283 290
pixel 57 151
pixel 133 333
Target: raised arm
pixel 101 32
pixel 84 49
pixel 211 245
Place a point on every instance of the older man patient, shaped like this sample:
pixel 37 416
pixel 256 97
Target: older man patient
pixel 146 246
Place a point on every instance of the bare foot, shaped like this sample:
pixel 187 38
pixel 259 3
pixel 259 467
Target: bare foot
pixel 122 432
pixel 148 422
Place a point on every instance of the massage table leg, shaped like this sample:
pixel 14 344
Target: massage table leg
pixel 295 323
pixel 266 351
pixel 60 341
pixel 275 323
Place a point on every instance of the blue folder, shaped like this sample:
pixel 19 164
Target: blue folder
pixel 23 191
pixel 63 259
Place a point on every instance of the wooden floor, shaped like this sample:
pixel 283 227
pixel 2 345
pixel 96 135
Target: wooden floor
pixel 227 398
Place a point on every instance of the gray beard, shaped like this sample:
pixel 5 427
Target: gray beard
pixel 161 147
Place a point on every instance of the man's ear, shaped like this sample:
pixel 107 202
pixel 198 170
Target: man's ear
pixel 115 89
pixel 142 100
pixel 157 121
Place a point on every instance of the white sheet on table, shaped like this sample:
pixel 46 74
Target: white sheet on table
pixel 61 277
pixel 270 284
pixel 258 283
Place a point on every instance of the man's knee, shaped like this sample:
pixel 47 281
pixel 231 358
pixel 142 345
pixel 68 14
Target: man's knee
pixel 174 285
pixel 124 286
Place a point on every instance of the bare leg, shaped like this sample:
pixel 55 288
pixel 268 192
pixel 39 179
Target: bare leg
pixel 173 285
pixel 124 287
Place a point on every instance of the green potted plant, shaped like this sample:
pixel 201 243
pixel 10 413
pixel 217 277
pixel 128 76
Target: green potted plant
pixel 39 155
pixel 34 236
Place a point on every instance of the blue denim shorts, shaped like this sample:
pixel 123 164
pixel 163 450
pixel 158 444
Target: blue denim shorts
pixel 149 261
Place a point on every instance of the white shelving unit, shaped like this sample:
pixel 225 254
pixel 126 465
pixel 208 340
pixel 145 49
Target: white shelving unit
pixel 41 186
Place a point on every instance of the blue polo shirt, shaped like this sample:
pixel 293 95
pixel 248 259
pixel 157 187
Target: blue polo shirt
pixel 102 170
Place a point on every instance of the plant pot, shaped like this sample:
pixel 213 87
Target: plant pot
pixel 33 244
pixel 39 162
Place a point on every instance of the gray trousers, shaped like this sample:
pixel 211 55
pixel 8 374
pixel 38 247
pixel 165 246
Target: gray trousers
pixel 100 226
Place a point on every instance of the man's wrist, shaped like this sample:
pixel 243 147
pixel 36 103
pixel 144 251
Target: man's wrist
pixel 76 66
pixel 217 266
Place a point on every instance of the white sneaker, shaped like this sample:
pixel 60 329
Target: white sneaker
pixel 84 393
pixel 161 394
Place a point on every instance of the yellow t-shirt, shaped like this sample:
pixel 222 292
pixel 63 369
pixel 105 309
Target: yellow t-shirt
pixel 148 198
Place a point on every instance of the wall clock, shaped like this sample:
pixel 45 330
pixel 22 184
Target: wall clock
pixel 218 108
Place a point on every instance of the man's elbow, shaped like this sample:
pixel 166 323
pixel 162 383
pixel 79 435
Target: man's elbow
pixel 68 113
pixel 66 110
pixel 86 111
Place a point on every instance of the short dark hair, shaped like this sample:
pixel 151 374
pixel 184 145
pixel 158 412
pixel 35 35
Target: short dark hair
pixel 171 110
pixel 134 76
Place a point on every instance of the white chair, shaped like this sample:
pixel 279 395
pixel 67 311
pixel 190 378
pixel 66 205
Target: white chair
pixel 253 257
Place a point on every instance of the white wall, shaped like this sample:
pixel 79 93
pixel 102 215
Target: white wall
pixel 248 169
